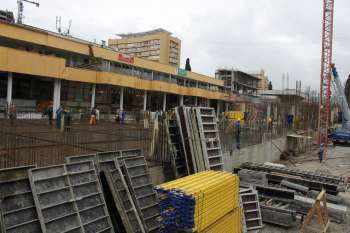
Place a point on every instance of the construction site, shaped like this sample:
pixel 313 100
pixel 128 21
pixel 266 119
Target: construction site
pixel 118 138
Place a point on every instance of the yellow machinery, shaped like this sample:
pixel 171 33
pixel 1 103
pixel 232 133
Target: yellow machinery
pixel 198 201
pixel 235 116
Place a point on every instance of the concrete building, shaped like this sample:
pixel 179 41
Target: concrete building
pixel 39 67
pixel 7 16
pixel 156 45
pixel 238 82
pixel 263 83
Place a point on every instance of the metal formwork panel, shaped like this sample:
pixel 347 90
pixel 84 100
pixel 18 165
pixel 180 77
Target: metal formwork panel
pixel 209 136
pixel 251 210
pixel 89 197
pixel 81 158
pixel 185 139
pixel 176 148
pixel 111 163
pixel 124 201
pixel 69 199
pixel 54 200
pixel 146 200
pixel 195 140
pixel 131 153
pixel 17 207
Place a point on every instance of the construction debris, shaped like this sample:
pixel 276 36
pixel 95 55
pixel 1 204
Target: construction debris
pixel 294 186
pixel 282 192
pixel 336 212
pixel 320 177
pixel 278 215
pixel 330 198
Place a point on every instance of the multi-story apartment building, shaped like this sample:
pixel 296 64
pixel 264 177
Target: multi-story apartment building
pixel 156 45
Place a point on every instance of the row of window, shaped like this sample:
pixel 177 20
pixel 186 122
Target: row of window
pixel 146 74
pixel 139 49
pixel 139 44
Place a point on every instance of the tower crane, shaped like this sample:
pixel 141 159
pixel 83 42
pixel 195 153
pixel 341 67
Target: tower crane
pixel 21 7
pixel 326 69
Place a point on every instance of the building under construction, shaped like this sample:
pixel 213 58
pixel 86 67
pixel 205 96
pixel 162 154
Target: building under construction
pixel 100 139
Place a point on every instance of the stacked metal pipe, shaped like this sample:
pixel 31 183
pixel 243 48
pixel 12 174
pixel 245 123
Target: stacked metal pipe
pixel 196 202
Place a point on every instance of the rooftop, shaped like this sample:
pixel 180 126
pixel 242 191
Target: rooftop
pixel 140 34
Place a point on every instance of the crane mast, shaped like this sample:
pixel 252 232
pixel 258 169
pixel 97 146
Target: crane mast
pixel 21 8
pixel 325 80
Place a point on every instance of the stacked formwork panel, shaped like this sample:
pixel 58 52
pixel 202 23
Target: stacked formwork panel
pixel 200 202
pixel 132 189
pixel 209 134
pixel 176 148
pixel 200 138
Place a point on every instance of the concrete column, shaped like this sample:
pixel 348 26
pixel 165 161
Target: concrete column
pixel 293 110
pixel 181 100
pixel 226 106
pixel 9 88
pixel 121 100
pixel 195 101
pixel 268 112
pixel 93 95
pixel 275 113
pixel 145 101
pixel 243 107
pixel 56 96
pixel 164 102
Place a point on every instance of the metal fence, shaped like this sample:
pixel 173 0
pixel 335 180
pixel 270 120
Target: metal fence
pixel 34 142
pixel 250 135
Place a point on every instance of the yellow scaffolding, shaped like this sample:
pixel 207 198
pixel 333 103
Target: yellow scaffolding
pixel 202 199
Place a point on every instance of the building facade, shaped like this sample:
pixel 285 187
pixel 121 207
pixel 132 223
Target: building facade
pixel 263 83
pixel 39 68
pixel 238 82
pixel 156 45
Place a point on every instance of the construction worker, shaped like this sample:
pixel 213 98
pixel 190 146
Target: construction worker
pixel 49 112
pixel 12 113
pixel 59 112
pixel 269 124
pixel 320 152
pixel 93 117
pixel 238 134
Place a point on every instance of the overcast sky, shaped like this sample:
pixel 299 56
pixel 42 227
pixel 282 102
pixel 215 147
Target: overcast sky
pixel 275 35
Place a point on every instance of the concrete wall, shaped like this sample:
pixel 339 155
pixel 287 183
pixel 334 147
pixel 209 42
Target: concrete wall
pixel 261 153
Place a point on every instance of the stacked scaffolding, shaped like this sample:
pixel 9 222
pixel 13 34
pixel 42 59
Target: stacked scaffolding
pixel 201 202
